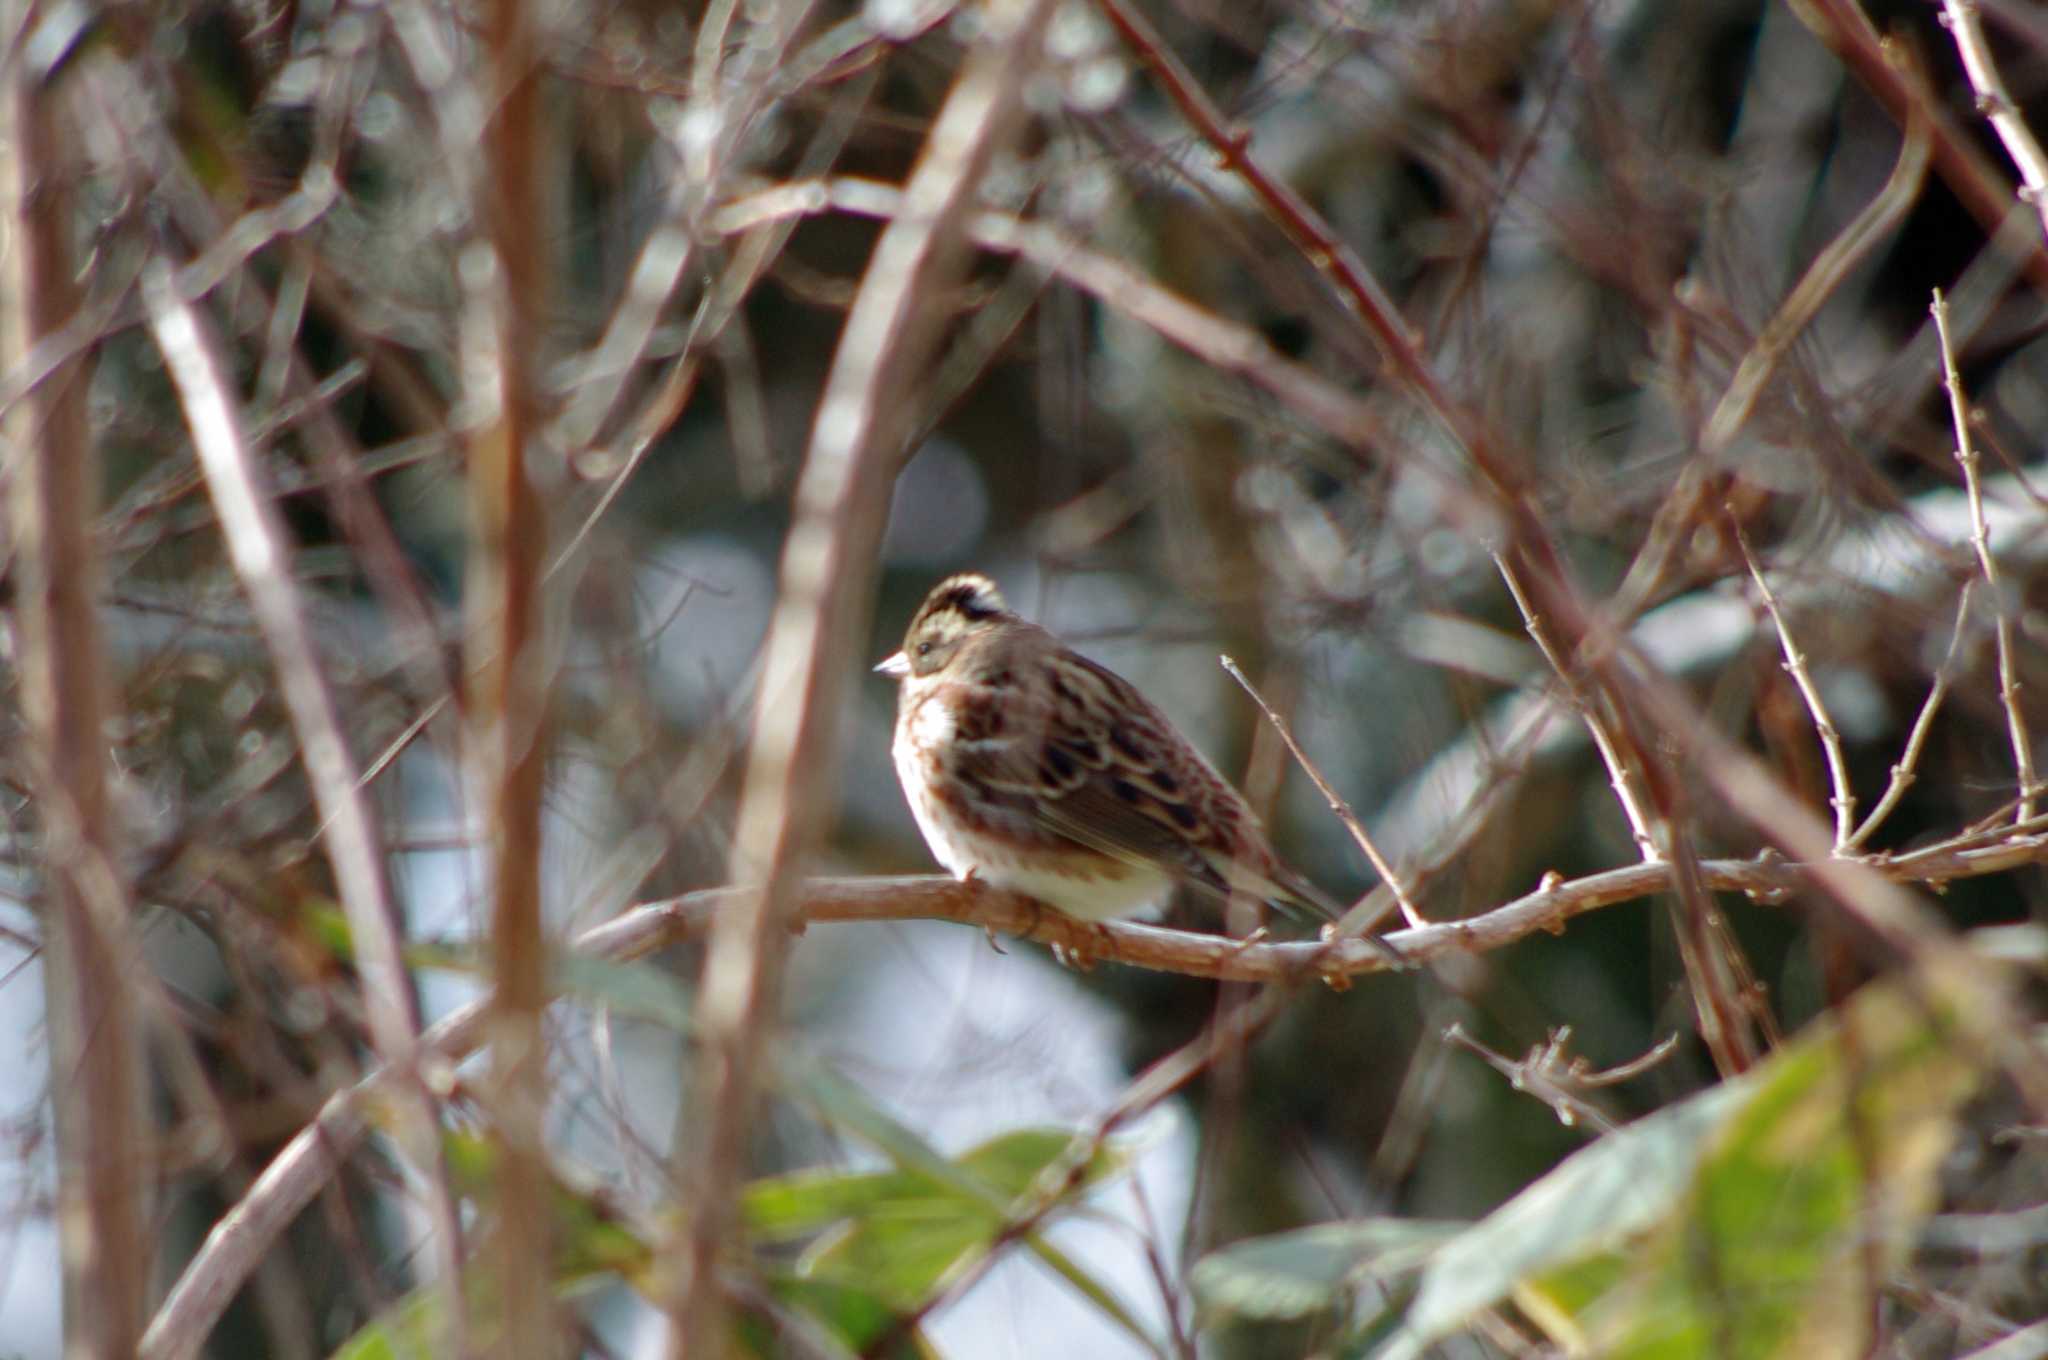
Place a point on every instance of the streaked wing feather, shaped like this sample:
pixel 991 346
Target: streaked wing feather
pixel 1093 762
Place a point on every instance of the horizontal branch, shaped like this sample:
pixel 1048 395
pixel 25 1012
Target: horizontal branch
pixel 240 1238
pixel 930 897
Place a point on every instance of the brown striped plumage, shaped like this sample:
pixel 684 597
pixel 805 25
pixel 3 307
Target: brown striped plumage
pixel 1031 767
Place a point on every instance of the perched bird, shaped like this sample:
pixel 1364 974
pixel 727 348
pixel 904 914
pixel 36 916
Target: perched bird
pixel 1030 767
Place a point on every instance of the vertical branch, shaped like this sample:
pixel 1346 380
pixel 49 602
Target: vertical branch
pixel 95 1070
pixel 505 278
pixel 1960 18
pixel 1980 539
pixel 827 567
pixel 1844 799
pixel 1712 963
pixel 1621 776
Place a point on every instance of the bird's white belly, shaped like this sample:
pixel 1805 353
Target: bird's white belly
pixel 1141 890
pixel 1085 886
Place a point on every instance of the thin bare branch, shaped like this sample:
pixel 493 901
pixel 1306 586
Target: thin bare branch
pixel 1980 539
pixel 1342 809
pixel 1844 800
pixel 1905 768
pixel 1620 775
pixel 1961 19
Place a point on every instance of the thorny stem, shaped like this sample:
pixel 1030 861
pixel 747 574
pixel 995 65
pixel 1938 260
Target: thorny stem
pixel 1980 539
pixel 1903 771
pixel 1620 775
pixel 1844 800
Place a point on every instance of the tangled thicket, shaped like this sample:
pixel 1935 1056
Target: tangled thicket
pixel 456 455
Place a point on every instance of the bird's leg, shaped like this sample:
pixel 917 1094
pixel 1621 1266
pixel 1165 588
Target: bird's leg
pixel 972 879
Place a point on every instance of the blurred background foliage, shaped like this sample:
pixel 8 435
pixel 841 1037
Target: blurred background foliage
pixel 1587 212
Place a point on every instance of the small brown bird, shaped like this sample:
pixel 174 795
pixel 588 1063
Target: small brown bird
pixel 1030 767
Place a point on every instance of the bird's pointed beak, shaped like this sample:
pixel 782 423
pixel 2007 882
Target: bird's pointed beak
pixel 896 667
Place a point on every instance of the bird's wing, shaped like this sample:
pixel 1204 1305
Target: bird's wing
pixel 1088 759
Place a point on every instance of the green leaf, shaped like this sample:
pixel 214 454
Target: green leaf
pixel 1311 1270
pixel 899 1232
pixel 1738 1222
pixel 854 1317
pixel 638 990
pixel 411 1329
pixel 902 1234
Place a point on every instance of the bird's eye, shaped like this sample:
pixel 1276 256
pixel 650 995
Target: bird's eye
pixel 924 649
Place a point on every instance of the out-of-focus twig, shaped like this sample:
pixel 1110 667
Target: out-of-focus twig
pixel 1224 344
pixel 505 746
pixel 827 564
pixel 1822 277
pixel 257 546
pixel 1886 70
pixel 52 478
pixel 755 253
pixel 718 114
pixel 124 123
pixel 1961 19
pixel 1980 539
